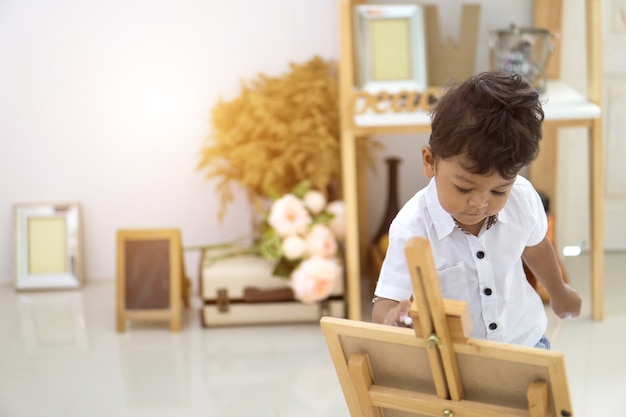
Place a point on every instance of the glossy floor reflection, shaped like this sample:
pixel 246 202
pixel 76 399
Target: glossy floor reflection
pixel 60 356
pixel 595 351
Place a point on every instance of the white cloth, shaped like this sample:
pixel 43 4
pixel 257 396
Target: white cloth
pixel 494 286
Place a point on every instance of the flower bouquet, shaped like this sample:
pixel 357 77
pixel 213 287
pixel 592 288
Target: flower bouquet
pixel 303 233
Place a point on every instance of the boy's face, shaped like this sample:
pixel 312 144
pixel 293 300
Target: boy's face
pixel 469 198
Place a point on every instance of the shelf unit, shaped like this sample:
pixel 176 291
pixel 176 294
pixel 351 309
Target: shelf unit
pixel 565 107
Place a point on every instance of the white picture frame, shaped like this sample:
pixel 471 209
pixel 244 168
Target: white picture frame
pixel 391 48
pixel 48 246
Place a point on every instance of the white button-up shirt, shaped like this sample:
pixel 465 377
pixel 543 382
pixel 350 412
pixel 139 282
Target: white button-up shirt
pixel 485 271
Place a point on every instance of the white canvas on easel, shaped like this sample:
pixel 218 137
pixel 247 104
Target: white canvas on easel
pixel 392 371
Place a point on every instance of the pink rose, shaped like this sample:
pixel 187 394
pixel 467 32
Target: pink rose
pixel 294 247
pixel 338 223
pixel 289 216
pixel 315 201
pixel 314 279
pixel 320 241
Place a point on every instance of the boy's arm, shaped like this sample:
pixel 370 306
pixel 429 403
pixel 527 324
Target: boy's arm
pixel 391 312
pixel 542 261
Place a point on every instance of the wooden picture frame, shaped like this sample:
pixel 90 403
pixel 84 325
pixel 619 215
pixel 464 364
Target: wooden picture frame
pixel 150 279
pixel 48 246
pixel 391 48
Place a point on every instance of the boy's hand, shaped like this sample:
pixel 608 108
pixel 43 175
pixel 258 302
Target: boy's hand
pixel 566 303
pixel 398 315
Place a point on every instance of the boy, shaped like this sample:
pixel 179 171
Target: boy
pixel 480 217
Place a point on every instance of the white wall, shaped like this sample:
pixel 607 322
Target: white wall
pixel 572 198
pixel 107 104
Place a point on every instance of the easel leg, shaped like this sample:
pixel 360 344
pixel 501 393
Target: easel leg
pixel 186 285
pixel 361 374
pixel 175 322
pixel 120 323
pixel 538 399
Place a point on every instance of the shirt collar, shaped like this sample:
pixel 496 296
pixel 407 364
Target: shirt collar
pixel 444 223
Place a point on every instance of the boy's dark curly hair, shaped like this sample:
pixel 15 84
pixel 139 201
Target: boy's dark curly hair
pixel 493 119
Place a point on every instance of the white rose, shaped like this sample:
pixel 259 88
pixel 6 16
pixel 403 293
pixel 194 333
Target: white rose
pixel 289 216
pixel 294 247
pixel 314 279
pixel 321 241
pixel 338 223
pixel 315 201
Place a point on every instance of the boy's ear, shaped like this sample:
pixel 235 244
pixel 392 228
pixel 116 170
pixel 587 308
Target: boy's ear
pixel 429 161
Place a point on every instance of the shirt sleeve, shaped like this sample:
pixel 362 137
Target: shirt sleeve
pixel 394 281
pixel 537 215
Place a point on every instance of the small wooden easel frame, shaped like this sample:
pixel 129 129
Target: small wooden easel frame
pixel 151 281
pixel 393 371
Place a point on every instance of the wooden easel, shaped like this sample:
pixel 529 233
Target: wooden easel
pixel 435 369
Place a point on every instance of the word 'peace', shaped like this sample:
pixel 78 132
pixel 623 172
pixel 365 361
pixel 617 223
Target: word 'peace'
pixel 402 101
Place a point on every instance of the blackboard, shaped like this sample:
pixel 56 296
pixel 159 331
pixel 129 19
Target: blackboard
pixel 150 276
pixel 147 274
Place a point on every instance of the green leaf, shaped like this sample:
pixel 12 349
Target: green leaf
pixel 270 245
pixel 284 267
pixel 323 218
pixel 301 188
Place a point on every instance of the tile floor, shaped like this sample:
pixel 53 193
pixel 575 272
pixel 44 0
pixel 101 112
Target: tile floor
pixel 60 356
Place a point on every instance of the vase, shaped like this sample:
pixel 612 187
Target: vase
pixel 378 247
pixel 393 206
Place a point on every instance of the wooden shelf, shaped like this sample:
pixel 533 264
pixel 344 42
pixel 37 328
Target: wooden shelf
pixel 560 103
pixel 563 103
pixel 563 106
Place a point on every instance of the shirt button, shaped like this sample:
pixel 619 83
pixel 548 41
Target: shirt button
pixel 493 326
pixel 487 291
pixel 480 254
